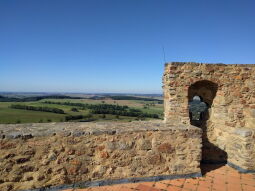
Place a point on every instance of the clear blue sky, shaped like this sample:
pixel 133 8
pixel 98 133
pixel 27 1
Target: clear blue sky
pixel 116 45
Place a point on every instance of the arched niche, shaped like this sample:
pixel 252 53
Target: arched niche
pixel 204 89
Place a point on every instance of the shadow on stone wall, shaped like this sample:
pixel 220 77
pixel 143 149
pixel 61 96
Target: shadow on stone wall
pixel 211 154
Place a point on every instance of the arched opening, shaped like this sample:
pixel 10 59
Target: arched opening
pixel 201 95
pixel 198 111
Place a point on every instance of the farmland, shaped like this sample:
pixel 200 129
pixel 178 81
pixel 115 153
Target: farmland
pixel 43 109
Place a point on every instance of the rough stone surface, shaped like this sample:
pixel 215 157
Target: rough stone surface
pixel 229 91
pixel 137 149
pixel 39 155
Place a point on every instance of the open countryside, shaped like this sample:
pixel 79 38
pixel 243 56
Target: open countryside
pixel 63 108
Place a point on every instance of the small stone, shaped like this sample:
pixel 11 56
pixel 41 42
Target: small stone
pixel 243 132
pixel 71 152
pixel 166 148
pixel 84 170
pixel 145 145
pixel 75 162
pixel 52 156
pixel 154 159
pixel 125 145
pixel 101 147
pixel 72 170
pixel 111 146
pixel 104 154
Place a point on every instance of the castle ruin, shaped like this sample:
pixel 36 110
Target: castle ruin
pixel 73 155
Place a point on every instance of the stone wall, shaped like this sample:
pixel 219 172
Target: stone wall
pixel 229 92
pixel 228 89
pixel 239 145
pixel 87 154
pixel 40 155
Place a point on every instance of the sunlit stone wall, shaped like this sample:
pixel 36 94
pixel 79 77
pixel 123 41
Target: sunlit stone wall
pixel 40 155
pixel 229 91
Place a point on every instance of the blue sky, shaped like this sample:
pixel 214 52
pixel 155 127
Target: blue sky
pixel 116 45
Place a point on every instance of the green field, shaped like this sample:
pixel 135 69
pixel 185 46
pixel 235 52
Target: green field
pixel 11 115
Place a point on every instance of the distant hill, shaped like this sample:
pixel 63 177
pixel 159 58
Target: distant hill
pixel 124 97
pixel 35 98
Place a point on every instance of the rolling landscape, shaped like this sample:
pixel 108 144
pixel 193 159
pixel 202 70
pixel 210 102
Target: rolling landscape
pixel 127 95
pixel 40 107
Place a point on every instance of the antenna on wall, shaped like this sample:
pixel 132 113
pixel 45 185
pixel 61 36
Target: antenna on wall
pixel 164 54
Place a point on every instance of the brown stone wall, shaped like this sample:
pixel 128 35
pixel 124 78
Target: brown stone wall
pixel 239 145
pixel 65 153
pixel 229 91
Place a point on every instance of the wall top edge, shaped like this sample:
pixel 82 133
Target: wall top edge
pixel 26 131
pixel 212 64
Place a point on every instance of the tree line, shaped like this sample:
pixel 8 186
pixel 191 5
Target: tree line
pixel 37 108
pixel 108 109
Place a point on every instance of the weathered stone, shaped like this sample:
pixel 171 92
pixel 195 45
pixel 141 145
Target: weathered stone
pixel 154 159
pixel 144 144
pixel 228 91
pixel 243 132
pixel 178 167
pixel 83 170
pixel 72 170
pixel 110 146
pixel 52 156
pixel 55 160
pixel 104 154
pixel 166 148
pixel 125 145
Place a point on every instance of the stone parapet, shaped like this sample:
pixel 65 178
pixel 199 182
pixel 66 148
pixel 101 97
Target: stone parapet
pixel 239 144
pixel 42 155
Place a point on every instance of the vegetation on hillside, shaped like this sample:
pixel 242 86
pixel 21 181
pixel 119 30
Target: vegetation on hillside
pixel 108 109
pixel 33 108
pixel 57 108
pixel 122 97
pixel 35 98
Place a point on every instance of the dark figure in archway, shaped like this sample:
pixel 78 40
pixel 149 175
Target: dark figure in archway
pixel 201 95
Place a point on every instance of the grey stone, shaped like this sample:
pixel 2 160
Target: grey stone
pixel 253 113
pixel 243 132
pixel 145 145
pixel 14 135
pixel 125 145
pixel 110 146
pixel 52 156
pixel 77 133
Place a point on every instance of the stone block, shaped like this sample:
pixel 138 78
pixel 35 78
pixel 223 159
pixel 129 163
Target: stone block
pixel 243 132
pixel 166 148
pixel 144 144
